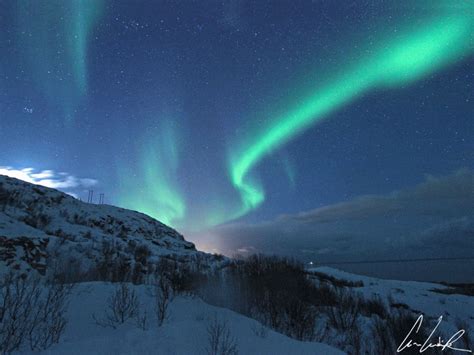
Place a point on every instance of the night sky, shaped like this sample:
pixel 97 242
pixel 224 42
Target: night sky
pixel 202 113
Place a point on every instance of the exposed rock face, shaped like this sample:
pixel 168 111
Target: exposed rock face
pixel 20 250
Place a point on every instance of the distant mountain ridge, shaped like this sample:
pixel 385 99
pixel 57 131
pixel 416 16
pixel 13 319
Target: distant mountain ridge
pixel 39 224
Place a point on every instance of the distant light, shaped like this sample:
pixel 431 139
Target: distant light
pixel 310 263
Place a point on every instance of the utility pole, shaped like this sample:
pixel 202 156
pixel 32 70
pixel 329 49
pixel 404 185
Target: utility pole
pixel 90 196
pixel 101 199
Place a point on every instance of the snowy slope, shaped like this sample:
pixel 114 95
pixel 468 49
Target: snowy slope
pixel 418 296
pixel 429 299
pixel 183 333
pixel 39 224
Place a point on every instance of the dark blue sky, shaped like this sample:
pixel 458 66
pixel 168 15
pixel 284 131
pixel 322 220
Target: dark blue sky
pixel 149 97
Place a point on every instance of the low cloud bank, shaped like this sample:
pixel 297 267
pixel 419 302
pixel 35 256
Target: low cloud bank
pixel 434 219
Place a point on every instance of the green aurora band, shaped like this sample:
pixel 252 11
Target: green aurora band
pixel 155 190
pixel 404 59
pixel 54 37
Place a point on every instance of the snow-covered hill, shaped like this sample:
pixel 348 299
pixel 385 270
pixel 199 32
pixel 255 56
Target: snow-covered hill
pixel 39 227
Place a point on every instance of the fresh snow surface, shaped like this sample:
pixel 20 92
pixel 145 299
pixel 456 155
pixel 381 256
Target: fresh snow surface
pixel 183 333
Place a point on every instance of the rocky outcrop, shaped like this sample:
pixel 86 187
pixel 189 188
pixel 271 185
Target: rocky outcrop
pixel 16 252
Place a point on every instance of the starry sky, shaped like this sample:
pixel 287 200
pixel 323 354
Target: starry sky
pixel 210 113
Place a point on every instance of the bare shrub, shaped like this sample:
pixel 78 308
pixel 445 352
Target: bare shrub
pixel 220 340
pixel 18 299
pixel 142 254
pixel 300 319
pixel 138 273
pixel 400 322
pixel 162 294
pixel 324 295
pixel 111 264
pixel 355 341
pixel 374 305
pixel 122 306
pixel 383 339
pixel 31 313
pixel 389 333
pixel 63 269
pixel 120 268
pixel 464 325
pixel 49 320
pixel 181 279
pixel 344 315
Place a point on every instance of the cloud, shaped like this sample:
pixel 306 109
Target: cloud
pixel 449 195
pixel 245 250
pixel 49 178
pixel 456 233
pixel 432 219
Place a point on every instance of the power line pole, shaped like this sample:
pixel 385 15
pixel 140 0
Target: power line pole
pixel 90 196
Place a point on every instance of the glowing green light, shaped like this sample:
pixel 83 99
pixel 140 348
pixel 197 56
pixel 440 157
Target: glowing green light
pixel 399 61
pixel 53 37
pixel 155 191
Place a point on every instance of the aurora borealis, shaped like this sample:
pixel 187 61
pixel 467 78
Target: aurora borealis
pixel 409 57
pixel 156 189
pixel 53 37
pixel 199 117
